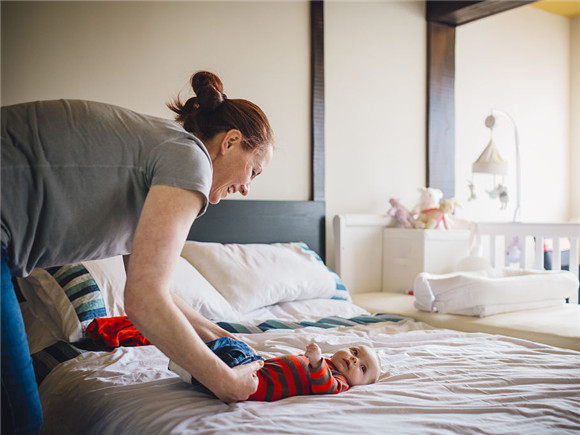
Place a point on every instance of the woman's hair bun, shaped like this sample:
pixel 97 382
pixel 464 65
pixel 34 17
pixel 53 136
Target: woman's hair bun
pixel 209 90
pixel 206 114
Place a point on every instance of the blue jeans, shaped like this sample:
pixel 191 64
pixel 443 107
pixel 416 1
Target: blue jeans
pixel 21 410
pixel 230 351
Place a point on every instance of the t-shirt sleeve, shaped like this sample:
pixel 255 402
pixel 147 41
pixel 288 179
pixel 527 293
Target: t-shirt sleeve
pixel 324 381
pixel 180 164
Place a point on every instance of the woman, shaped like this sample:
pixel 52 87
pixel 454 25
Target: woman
pixel 84 180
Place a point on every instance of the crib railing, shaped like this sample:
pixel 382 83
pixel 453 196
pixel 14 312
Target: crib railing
pixel 515 242
pixel 359 247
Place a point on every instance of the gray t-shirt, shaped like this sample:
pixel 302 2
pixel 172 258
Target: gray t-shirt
pixel 75 175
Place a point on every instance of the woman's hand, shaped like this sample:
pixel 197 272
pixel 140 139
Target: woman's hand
pixel 243 385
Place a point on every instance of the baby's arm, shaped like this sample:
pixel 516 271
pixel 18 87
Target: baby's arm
pixel 314 355
pixel 323 381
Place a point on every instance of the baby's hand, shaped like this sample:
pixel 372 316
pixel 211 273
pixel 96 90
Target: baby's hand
pixel 314 355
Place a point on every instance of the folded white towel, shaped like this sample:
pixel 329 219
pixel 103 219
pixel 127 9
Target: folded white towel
pixel 492 291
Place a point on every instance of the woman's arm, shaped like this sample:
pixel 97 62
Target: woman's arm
pixel 161 232
pixel 205 328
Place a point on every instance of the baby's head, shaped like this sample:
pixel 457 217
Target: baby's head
pixel 359 364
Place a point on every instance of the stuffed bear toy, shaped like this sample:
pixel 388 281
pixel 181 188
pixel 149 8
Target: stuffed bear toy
pixel 431 217
pixel 430 198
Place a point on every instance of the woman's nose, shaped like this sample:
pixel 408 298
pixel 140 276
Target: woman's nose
pixel 245 189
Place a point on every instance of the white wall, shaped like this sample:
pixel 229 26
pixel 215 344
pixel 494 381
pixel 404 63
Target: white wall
pixel 575 119
pixel 519 62
pixel 375 60
pixel 141 54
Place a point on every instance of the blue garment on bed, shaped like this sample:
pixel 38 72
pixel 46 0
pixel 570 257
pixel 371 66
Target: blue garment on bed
pixel 232 352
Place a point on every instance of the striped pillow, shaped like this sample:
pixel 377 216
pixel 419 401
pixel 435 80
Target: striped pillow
pixel 82 291
pixel 64 300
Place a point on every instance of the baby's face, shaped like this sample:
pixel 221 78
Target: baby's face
pixel 359 364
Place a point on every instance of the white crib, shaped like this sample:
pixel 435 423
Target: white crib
pixel 363 246
pixel 531 237
pixel 360 247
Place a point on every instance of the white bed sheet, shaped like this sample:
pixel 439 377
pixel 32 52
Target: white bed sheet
pixel 433 381
pixel 306 309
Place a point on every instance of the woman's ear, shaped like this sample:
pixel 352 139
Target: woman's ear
pixel 232 138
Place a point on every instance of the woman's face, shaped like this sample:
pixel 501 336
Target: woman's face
pixel 234 168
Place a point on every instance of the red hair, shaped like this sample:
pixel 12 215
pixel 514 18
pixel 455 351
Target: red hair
pixel 210 112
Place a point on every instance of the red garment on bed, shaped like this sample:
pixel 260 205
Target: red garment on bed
pixel 115 332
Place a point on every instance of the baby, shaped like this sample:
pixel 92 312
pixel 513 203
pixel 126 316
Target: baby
pixel 293 375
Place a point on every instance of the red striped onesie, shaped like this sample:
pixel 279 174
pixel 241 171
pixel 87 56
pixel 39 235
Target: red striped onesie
pixel 291 375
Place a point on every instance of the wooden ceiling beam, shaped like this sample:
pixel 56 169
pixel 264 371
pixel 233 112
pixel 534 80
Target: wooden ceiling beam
pixel 455 13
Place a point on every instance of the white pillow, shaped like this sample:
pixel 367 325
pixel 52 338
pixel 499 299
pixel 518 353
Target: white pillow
pixel 65 307
pixel 197 292
pixel 109 275
pixel 492 291
pixel 187 283
pixel 48 303
pixel 39 335
pixel 251 276
pixel 41 312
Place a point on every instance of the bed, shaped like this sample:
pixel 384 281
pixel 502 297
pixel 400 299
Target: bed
pixel 359 246
pixel 433 380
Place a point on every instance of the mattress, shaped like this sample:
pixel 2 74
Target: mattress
pixel 432 381
pixel 555 326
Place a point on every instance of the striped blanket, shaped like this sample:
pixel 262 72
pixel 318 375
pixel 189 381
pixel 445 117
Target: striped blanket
pixel 325 322
pixel 47 359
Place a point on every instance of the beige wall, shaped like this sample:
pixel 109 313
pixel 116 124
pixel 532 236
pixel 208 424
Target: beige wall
pixel 519 62
pixel 375 105
pixel 575 119
pixel 140 54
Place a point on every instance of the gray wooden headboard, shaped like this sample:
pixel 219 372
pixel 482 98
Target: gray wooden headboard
pixel 263 222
